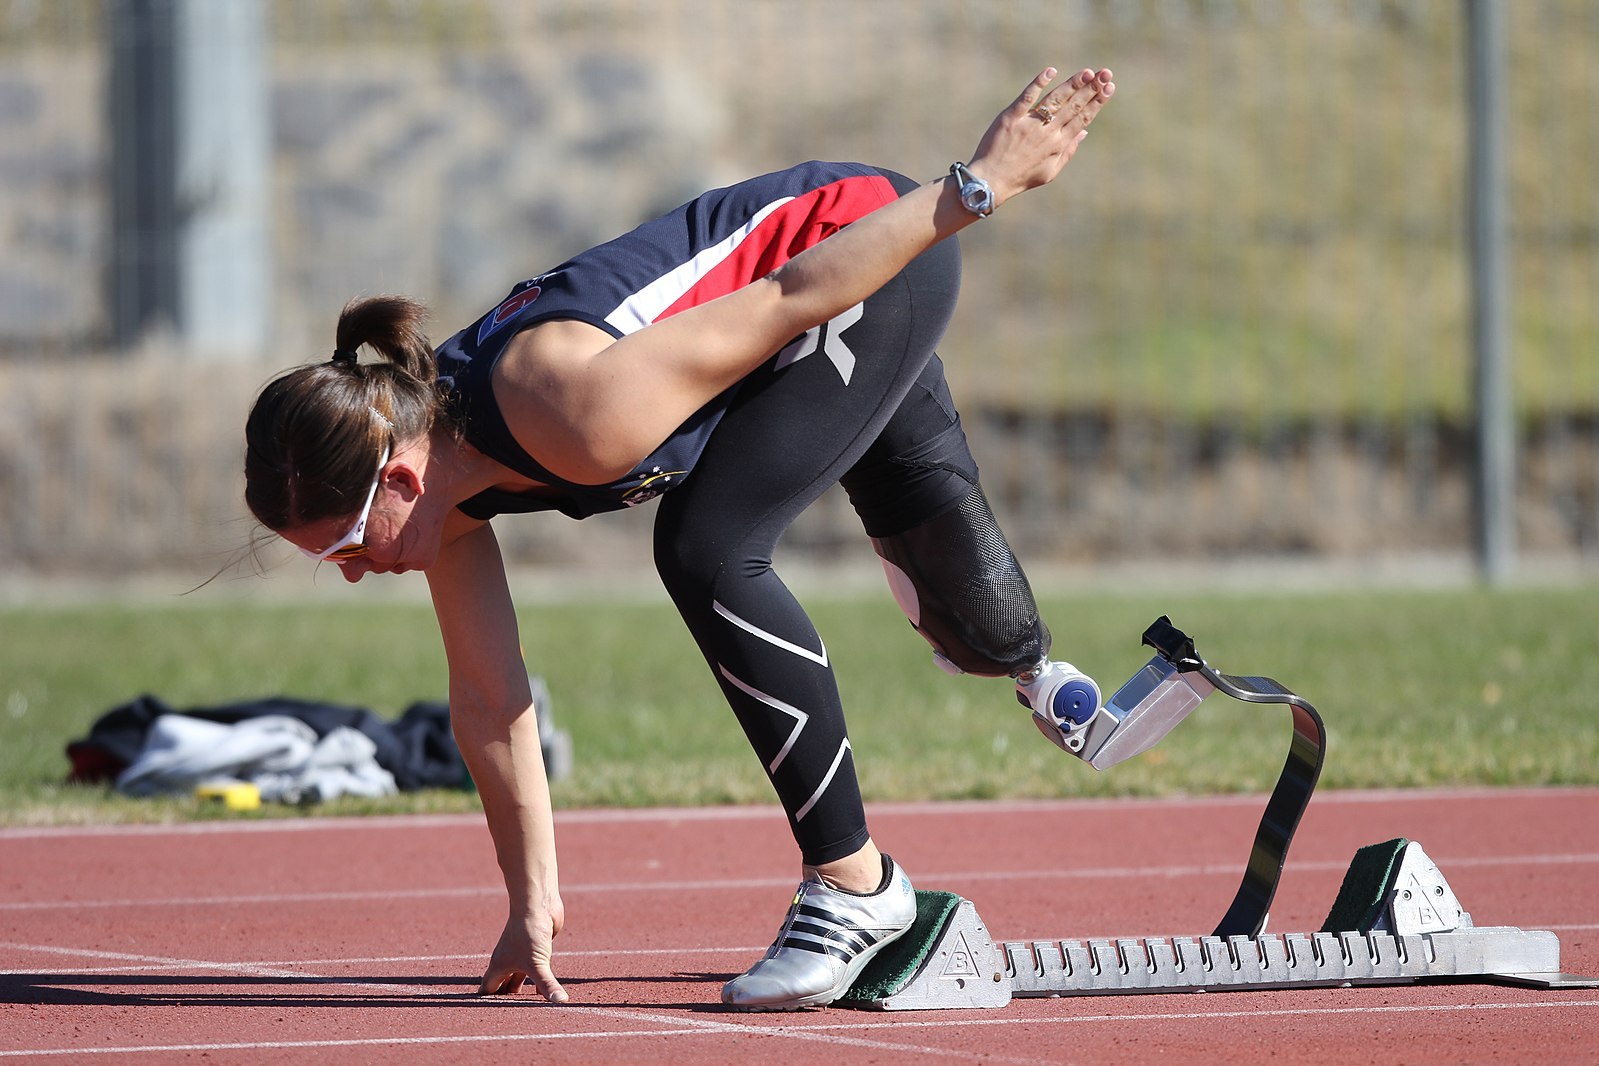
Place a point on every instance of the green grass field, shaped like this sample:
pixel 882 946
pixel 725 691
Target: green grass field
pixel 1418 688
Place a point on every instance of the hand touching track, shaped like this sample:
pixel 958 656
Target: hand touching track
pixel 524 952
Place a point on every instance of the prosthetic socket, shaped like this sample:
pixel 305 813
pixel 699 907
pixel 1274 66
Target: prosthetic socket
pixel 963 590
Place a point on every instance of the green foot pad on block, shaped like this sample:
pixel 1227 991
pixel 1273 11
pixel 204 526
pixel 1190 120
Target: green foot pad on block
pixel 947 960
pixel 1365 888
pixel 1394 887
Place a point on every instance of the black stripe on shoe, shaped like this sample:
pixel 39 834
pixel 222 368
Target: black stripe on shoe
pixel 822 914
pixel 853 938
pixel 817 929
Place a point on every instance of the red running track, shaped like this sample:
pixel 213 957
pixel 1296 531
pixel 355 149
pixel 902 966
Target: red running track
pixel 345 940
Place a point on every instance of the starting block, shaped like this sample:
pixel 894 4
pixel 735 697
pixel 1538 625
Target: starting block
pixel 1395 920
pixel 1417 933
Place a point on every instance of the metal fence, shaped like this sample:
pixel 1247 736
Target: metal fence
pixel 1239 327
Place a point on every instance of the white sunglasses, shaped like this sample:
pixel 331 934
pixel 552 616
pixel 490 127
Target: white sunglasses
pixel 353 544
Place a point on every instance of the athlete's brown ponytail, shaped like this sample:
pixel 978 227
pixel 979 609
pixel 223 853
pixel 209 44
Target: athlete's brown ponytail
pixel 315 434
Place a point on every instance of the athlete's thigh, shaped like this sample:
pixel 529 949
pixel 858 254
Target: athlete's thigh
pixel 919 466
pixel 801 421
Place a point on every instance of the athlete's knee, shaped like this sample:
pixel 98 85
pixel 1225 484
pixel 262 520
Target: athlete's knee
pixel 685 561
pixel 964 592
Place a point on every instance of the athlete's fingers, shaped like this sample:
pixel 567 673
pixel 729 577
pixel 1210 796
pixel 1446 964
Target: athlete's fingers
pixel 497 982
pixel 1080 107
pixel 1035 88
pixel 548 987
pixel 1071 98
pixel 1102 82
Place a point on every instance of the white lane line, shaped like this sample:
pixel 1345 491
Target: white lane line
pixel 392 1041
pixel 262 825
pixel 823 1035
pixel 773 813
pixel 294 972
pixel 823 1032
pixel 1196 1016
pixel 925 877
pixel 596 1034
pixel 675 1024
pixel 476 958
pixel 258 898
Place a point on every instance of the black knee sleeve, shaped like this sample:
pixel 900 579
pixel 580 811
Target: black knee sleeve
pixel 964 591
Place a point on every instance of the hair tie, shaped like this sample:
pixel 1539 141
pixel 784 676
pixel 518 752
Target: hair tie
pixel 344 357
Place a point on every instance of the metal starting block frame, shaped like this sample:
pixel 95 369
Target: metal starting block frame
pixel 1415 931
pixel 964 967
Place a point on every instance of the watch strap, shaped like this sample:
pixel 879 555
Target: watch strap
pixel 975 194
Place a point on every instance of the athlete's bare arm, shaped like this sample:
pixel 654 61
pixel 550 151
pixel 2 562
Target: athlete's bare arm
pixel 589 409
pixel 496 728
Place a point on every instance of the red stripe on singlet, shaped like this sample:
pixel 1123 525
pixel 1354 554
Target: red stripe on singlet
pixel 802 223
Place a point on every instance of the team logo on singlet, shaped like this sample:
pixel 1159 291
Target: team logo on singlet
pixel 655 482
pixel 509 309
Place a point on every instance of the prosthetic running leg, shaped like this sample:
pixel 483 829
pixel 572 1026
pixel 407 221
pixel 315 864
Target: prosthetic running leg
pixel 963 590
pixel 958 582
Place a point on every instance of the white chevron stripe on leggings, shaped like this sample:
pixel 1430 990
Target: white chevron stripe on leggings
pixel 771 638
pixel 828 780
pixel 800 717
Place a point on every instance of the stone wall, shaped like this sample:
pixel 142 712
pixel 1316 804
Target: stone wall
pixel 123 464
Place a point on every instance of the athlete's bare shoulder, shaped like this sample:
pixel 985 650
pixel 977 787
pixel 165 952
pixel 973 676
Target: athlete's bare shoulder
pixel 542 385
pixel 545 349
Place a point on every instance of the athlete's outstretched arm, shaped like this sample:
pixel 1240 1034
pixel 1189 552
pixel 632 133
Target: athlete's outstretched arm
pixel 496 728
pixel 590 409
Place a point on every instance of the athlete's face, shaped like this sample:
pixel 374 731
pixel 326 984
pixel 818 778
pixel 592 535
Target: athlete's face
pixel 390 536
pixel 352 543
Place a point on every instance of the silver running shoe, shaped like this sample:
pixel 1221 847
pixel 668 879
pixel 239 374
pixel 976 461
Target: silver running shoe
pixel 826 940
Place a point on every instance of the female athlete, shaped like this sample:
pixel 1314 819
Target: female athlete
pixel 733 358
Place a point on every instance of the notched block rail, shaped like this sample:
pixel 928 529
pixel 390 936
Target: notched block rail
pixel 1291 960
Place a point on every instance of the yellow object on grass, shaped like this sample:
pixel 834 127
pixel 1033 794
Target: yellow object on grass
pixel 234 795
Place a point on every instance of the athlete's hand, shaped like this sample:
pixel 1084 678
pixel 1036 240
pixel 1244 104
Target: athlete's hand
pixel 524 952
pixel 1033 139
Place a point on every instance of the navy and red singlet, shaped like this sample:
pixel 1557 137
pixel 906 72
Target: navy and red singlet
pixel 709 247
pixel 859 400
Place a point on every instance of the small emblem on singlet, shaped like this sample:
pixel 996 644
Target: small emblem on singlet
pixel 655 482
pixel 509 308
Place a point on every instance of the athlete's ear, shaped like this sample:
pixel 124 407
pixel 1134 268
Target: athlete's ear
pixel 404 479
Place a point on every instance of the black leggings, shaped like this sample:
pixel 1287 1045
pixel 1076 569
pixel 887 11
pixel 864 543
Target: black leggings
pixel 891 435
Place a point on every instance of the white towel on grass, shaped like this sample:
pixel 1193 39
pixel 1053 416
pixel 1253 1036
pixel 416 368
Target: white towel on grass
pixel 278 754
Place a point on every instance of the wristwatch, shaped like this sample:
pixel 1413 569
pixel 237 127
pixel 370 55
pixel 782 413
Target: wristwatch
pixel 975 194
